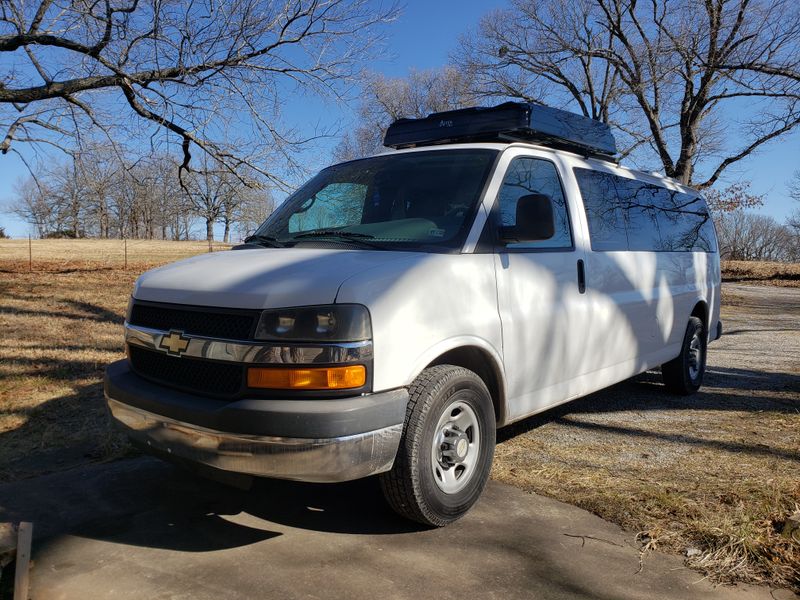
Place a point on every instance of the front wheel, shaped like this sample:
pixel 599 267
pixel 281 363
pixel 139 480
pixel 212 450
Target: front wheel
pixel 684 374
pixel 447 447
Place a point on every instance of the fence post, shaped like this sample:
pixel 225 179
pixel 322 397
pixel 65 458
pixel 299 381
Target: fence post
pixel 22 575
pixel 30 254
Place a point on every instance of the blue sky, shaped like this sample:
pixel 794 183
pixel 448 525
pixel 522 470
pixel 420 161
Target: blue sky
pixel 422 38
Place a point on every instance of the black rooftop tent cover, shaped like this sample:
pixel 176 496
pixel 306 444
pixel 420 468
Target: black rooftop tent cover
pixel 508 122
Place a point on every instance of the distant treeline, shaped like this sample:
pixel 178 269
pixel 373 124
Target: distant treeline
pixel 101 194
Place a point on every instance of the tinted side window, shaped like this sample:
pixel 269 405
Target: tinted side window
pixel 535 176
pixel 607 229
pixel 639 204
pixel 626 214
pixel 685 224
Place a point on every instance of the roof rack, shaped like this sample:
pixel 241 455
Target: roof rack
pixel 508 122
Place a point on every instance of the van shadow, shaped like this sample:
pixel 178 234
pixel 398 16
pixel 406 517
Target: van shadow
pixel 645 392
pixel 145 502
pixel 74 310
pixel 190 513
pixel 61 433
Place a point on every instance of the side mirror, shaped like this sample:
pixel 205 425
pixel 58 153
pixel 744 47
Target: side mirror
pixel 534 220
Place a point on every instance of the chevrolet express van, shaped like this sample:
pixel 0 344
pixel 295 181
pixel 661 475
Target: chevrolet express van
pixel 395 310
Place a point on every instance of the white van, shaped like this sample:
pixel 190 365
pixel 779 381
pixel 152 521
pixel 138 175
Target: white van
pixel 396 310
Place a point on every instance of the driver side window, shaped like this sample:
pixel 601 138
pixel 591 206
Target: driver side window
pixel 527 176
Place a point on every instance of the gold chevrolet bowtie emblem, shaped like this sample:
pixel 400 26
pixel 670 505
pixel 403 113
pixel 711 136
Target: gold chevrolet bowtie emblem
pixel 174 343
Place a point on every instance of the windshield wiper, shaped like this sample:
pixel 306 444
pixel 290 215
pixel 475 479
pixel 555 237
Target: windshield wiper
pixel 350 236
pixel 333 233
pixel 263 240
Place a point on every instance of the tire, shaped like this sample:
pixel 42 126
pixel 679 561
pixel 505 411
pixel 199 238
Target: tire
pixel 451 407
pixel 683 375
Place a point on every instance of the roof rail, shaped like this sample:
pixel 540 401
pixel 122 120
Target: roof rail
pixel 508 122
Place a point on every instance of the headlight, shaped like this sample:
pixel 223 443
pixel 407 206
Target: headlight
pixel 328 323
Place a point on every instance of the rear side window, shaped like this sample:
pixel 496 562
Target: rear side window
pixel 535 176
pixel 685 224
pixel 626 214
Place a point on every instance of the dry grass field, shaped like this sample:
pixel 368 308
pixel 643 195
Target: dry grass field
pixel 766 273
pixel 59 254
pixel 59 330
pixel 711 477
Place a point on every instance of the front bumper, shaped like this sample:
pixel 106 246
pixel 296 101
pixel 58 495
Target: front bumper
pixel 303 440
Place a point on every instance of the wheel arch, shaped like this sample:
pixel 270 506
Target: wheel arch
pixel 483 363
pixel 700 311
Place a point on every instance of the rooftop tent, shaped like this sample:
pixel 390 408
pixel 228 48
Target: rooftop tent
pixel 509 122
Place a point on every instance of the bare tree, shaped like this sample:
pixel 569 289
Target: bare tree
pixel 793 220
pixel 160 201
pixel 217 196
pixel 102 194
pixel 749 236
pixel 32 204
pixel 387 99
pixel 522 53
pixel 97 173
pixel 663 72
pixel 256 205
pixel 794 186
pixel 206 193
pixel 64 189
pixel 59 201
pixel 186 68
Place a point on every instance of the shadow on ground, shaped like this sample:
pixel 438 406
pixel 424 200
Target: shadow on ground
pixel 645 393
pixel 149 503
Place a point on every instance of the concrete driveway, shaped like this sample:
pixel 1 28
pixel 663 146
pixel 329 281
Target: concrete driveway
pixel 140 528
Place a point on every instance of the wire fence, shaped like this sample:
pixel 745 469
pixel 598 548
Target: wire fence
pixel 48 255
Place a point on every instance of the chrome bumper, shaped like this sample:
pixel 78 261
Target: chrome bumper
pixel 318 460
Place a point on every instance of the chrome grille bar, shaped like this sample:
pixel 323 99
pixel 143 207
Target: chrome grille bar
pixel 252 352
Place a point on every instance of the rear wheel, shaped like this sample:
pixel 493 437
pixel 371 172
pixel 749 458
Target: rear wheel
pixel 684 374
pixel 447 447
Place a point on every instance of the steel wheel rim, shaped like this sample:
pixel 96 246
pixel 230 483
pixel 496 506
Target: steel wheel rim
pixel 695 356
pixel 456 447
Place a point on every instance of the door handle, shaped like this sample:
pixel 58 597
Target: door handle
pixel 581 277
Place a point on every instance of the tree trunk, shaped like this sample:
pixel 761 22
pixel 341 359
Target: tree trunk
pixel 75 215
pixel 226 237
pixel 209 230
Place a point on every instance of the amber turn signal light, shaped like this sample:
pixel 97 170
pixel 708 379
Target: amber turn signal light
pixel 326 378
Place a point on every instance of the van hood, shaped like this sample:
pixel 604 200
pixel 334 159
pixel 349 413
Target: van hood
pixel 259 278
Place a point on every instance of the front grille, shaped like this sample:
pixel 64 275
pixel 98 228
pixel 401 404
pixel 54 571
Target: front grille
pixel 198 376
pixel 204 321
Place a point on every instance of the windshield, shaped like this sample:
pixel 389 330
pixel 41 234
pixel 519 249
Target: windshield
pixel 415 200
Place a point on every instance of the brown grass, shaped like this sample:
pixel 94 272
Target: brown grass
pixel 60 329
pixel 61 254
pixel 61 325
pixel 682 496
pixel 763 273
